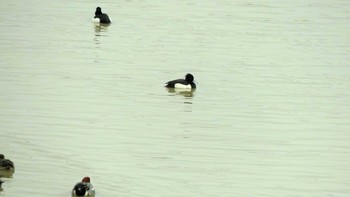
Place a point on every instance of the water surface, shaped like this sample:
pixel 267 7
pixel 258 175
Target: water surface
pixel 270 116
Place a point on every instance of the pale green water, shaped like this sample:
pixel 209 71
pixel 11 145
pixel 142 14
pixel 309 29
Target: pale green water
pixel 270 117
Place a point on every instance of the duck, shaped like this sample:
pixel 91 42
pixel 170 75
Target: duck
pixel 101 17
pixel 6 164
pixel 187 83
pixel 83 188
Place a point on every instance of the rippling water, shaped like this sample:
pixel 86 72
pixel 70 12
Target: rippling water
pixel 270 116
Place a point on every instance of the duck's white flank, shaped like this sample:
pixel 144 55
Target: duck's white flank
pixel 96 20
pixel 182 86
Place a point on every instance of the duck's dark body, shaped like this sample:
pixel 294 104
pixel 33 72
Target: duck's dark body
pixel 103 18
pixel 188 82
pixel 6 164
pixel 83 188
pixel 80 189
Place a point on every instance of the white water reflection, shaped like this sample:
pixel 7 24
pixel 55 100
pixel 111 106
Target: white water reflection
pixel 183 92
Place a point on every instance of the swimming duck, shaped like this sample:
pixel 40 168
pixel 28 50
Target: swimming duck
pixel 186 83
pixel 6 164
pixel 83 188
pixel 101 17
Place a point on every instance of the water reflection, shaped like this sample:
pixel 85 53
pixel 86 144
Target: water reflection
pixel 5 174
pixel 183 92
pixel 100 28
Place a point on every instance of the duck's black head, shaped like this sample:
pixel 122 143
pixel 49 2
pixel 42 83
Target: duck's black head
pixel 2 156
pixel 189 78
pixel 98 11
